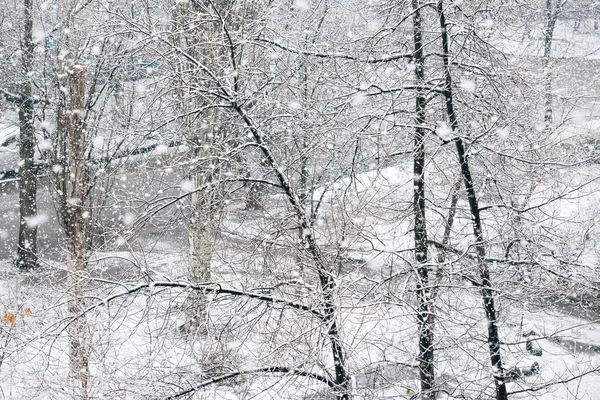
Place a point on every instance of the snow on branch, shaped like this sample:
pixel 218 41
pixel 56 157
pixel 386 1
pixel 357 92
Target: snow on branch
pixel 274 370
pixel 391 57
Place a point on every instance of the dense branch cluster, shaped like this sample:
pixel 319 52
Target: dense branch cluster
pixel 299 199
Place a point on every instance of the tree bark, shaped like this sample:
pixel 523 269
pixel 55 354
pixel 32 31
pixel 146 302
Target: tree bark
pixel 70 184
pixel 449 220
pixel 74 224
pixel 425 315
pixel 486 288
pixel 552 13
pixel 201 131
pixel 200 237
pixel 27 245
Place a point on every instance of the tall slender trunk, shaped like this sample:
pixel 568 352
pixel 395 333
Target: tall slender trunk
pixel 425 314
pixel 552 13
pixel 27 246
pixel 302 148
pixel 486 288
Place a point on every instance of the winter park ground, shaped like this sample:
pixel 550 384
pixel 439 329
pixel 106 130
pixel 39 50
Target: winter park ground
pixel 136 287
pixel 138 351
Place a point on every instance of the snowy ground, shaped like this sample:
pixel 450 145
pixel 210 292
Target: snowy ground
pixel 138 351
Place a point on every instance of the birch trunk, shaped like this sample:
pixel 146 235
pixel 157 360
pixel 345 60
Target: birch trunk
pixel 200 235
pixel 201 130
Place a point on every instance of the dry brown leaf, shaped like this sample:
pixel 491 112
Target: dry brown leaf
pixel 9 318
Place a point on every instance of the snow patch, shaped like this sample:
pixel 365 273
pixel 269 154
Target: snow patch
pixel 36 220
pixel 468 85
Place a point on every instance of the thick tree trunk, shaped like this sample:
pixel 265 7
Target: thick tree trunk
pixel 425 314
pixel 256 192
pixel 74 224
pixel 70 184
pixel 201 131
pixel 78 353
pixel 27 245
pixel 200 237
pixel 486 287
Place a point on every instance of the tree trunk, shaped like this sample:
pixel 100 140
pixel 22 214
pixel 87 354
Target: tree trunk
pixel 552 13
pixel 27 245
pixel 200 237
pixel 441 256
pixel 201 131
pixel 449 220
pixel 486 287
pixel 74 224
pixel 425 314
pixel 70 184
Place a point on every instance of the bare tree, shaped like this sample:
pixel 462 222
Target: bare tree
pixel 425 313
pixel 328 112
pixel 486 287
